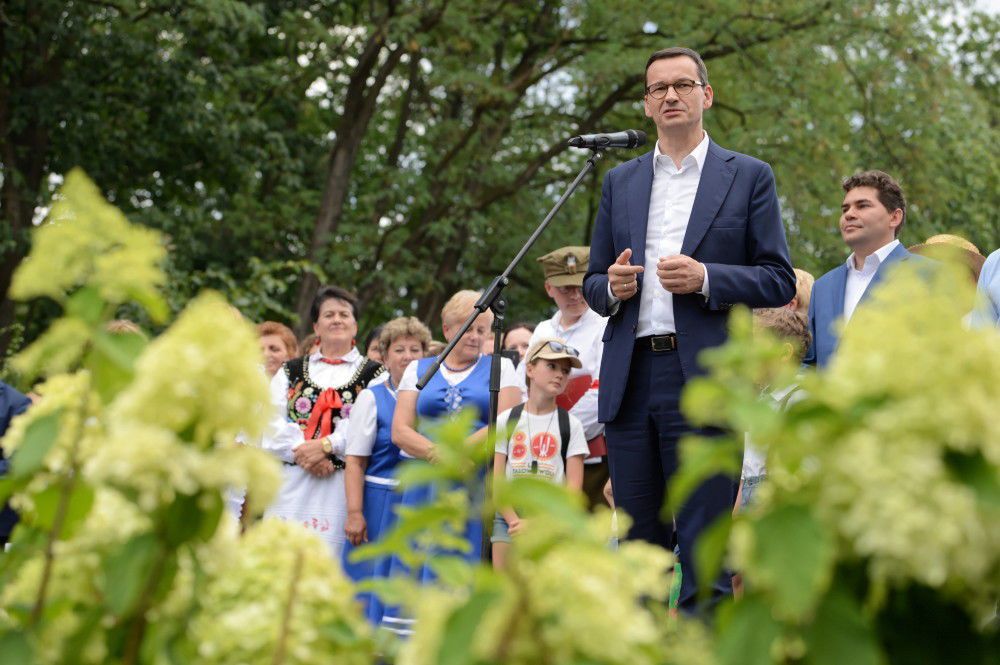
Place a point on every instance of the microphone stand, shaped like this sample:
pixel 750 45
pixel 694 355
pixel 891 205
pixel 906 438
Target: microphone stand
pixel 492 299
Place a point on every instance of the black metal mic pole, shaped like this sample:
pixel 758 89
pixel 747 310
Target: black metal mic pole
pixel 497 285
pixel 492 300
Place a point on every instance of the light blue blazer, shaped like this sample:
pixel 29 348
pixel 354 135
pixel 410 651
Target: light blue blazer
pixel 826 306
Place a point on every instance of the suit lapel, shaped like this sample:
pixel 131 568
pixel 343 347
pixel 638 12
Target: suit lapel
pixel 716 179
pixel 639 190
pixel 839 286
pixel 898 254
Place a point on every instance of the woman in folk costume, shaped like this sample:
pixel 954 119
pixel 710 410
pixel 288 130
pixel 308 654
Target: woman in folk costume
pixel 461 383
pixel 372 456
pixel 310 397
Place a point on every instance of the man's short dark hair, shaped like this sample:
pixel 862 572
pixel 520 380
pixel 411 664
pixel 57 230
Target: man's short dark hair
pixel 676 52
pixel 330 292
pixel 890 194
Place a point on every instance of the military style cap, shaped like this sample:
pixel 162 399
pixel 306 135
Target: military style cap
pixel 565 266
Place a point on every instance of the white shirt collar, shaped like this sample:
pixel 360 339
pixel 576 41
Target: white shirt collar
pixel 557 320
pixel 352 356
pixel 696 157
pixel 875 259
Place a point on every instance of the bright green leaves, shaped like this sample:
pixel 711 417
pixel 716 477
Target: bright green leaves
pixel 126 572
pixel 90 259
pixel 61 509
pixel 747 633
pixel 87 241
pixel 710 552
pixel 39 437
pixel 462 627
pixel 840 633
pixel 111 360
pixel 793 559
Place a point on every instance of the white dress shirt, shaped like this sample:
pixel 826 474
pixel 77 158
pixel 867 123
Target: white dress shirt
pixel 283 436
pixel 858 280
pixel 670 202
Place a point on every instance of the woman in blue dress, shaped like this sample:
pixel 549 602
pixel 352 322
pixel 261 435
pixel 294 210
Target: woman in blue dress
pixel 372 457
pixel 461 383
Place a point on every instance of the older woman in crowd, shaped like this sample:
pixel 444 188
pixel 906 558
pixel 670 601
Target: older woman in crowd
pixel 277 344
pixel 372 457
pixel 310 396
pixel 461 383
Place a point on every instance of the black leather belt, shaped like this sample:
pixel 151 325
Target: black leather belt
pixel 658 343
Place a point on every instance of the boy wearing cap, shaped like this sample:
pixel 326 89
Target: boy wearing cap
pixel 581 328
pixel 539 438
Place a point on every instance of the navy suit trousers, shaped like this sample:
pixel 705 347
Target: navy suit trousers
pixel 643 456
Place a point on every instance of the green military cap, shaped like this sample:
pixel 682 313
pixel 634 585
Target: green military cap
pixel 565 266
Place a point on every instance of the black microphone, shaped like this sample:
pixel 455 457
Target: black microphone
pixel 630 138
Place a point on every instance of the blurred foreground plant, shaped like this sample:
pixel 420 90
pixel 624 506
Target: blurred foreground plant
pixel 565 596
pixel 877 535
pixel 124 552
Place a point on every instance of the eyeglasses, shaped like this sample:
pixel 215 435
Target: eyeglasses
pixel 683 88
pixel 557 347
pixel 567 290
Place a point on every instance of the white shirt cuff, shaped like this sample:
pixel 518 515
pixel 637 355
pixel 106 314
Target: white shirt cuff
pixel 704 287
pixel 613 301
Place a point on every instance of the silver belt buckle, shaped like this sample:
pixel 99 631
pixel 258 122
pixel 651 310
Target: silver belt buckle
pixel 661 343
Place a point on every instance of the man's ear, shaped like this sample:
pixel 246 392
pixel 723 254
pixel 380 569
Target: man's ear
pixel 896 218
pixel 549 289
pixel 789 350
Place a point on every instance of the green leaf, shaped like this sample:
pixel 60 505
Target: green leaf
pixel 86 304
pixel 417 473
pixel 194 516
pixel 77 506
pixel 746 632
pixel 111 361
pixel 535 496
pixel 451 571
pixel 701 458
pixel 341 633
pixel 462 626
pixel 15 649
pixel 39 437
pixel 126 572
pixel 840 633
pixel 974 471
pixel 710 551
pixel 792 558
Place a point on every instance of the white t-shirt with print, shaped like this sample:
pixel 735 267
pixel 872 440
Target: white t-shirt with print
pixel 536 438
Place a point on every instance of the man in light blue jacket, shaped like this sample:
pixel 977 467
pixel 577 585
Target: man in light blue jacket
pixel 872 214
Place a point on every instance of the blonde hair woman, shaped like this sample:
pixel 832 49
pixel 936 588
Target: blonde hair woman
pixel 461 383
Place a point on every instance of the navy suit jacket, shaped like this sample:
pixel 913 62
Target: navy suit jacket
pixel 826 306
pixel 12 403
pixel 735 230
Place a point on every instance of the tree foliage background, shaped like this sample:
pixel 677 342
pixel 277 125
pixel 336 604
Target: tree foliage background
pixel 405 148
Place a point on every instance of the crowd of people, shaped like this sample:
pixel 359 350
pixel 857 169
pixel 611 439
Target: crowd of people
pixel 589 397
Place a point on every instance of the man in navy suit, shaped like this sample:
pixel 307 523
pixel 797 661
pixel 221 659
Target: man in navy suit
pixel 682 234
pixel 872 214
pixel 12 403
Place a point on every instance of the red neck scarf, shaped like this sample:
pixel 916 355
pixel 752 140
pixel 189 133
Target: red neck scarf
pixel 321 418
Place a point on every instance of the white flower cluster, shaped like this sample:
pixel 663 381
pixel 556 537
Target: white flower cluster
pixel 201 378
pixel 87 240
pixel 902 458
pixel 566 598
pixel 279 591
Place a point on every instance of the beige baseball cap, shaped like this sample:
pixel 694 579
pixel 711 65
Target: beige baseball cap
pixel 553 348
